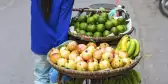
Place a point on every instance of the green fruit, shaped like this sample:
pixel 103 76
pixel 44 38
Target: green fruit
pixel 125 81
pixel 109 25
pixel 102 20
pixel 121 20
pixel 115 31
pixel 115 22
pixel 97 34
pixel 102 9
pixel 100 27
pixel 121 29
pixel 91 20
pixel 125 27
pixel 105 15
pixel 77 25
pixel 82 32
pixel 91 28
pixel 96 16
pixel 83 26
pixel 106 33
pixel 128 45
pixel 77 30
pixel 89 33
pixel 82 18
pixel 131 48
pixel 137 75
pixel 137 49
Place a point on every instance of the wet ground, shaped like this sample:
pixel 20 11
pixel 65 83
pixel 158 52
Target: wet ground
pixel 17 61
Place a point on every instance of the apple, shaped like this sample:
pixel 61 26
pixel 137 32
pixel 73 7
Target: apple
pixel 63 48
pixel 82 66
pixel 97 54
pixel 109 49
pixel 73 55
pixel 103 50
pixel 54 51
pixel 117 62
pixel 103 45
pixel 91 49
pixel 54 57
pixel 86 55
pixel 105 64
pixel 65 54
pixel 127 61
pixel 78 59
pixel 71 64
pixel 81 47
pixel 72 45
pixel 107 56
pixel 116 52
pixel 123 54
pixel 91 44
pixel 93 66
pixel 61 62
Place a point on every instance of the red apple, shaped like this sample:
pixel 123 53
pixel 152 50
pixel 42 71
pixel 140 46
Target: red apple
pixel 93 66
pixel 65 54
pixel 117 62
pixel 81 47
pixel 86 55
pixel 71 64
pixel 127 61
pixel 61 62
pixel 97 54
pixel 105 64
pixel 72 45
pixel 82 66
pixel 78 59
pixel 91 49
pixel 109 49
pixel 54 51
pixel 91 44
pixel 73 56
pixel 63 48
pixel 54 57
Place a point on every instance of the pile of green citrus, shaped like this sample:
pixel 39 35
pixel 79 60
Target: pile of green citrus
pixel 99 25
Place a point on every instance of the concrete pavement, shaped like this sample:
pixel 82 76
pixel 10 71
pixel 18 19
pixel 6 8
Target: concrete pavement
pixel 17 61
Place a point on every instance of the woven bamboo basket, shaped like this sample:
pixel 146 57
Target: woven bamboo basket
pixel 83 38
pixel 95 74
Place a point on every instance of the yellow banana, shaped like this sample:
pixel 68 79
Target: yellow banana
pixel 137 50
pixel 128 45
pixel 131 48
pixel 124 41
pixel 137 75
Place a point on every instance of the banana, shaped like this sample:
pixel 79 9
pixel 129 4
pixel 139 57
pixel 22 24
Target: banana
pixel 128 45
pixel 129 80
pixel 122 81
pixel 131 48
pixel 133 78
pixel 125 81
pixel 112 81
pixel 119 44
pixel 79 81
pixel 137 75
pixel 124 41
pixel 106 81
pixel 137 50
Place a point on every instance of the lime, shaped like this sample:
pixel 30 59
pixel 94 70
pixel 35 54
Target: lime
pixel 121 21
pixel 77 30
pixel 96 16
pixel 82 32
pixel 97 34
pixel 91 28
pixel 83 26
pixel 106 33
pixel 121 28
pixel 114 22
pixel 125 27
pixel 115 31
pixel 100 27
pixel 105 15
pixel 89 33
pixel 109 25
pixel 91 20
pixel 102 19
pixel 102 9
pixel 82 18
pixel 77 25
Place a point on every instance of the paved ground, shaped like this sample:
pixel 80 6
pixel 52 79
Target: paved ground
pixel 17 61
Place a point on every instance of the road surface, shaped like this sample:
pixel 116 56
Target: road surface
pixel 17 61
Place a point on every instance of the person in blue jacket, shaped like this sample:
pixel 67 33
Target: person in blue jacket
pixel 50 21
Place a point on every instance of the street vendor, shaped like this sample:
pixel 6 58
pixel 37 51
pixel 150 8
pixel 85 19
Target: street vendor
pixel 50 21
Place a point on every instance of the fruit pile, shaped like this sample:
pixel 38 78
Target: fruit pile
pixel 90 57
pixel 99 25
pixel 129 45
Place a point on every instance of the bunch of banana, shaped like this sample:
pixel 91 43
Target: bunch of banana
pixel 133 77
pixel 129 45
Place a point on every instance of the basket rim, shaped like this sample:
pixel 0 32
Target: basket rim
pixel 66 71
pixel 99 39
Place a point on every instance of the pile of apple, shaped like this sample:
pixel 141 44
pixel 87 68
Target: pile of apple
pixel 89 57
